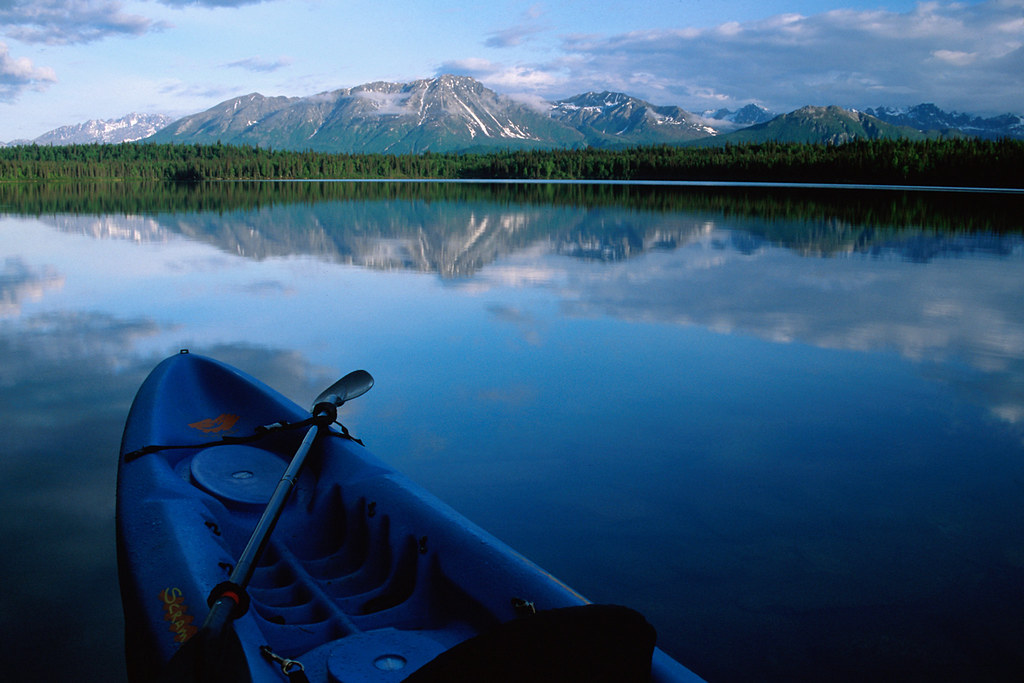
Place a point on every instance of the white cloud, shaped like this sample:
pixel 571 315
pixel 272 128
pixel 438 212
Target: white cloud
pixel 19 74
pixel 387 103
pixel 209 3
pixel 955 57
pixel 504 77
pixel 962 56
pixel 511 37
pixel 520 33
pixel 729 29
pixel 63 22
pixel 261 65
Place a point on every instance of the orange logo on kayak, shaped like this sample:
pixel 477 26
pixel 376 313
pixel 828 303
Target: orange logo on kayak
pixel 176 612
pixel 221 423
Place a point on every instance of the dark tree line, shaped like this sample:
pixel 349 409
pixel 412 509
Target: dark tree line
pixel 955 162
pixel 832 211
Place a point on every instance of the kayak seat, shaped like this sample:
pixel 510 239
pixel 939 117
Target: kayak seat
pixel 589 643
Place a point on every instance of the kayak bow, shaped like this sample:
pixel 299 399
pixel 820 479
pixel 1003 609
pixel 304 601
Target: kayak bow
pixel 361 576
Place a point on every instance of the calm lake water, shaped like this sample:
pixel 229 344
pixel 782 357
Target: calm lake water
pixel 786 425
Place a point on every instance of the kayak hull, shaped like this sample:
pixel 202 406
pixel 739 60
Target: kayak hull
pixel 366 577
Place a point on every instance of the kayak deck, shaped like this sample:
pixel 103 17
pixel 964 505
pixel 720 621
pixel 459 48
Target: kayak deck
pixel 366 577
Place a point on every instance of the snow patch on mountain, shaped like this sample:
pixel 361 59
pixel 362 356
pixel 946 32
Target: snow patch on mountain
pixel 110 131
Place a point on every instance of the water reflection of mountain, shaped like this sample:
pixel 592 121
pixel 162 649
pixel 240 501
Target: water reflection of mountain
pixel 922 248
pixel 834 238
pixel 113 226
pixel 452 239
pixel 455 229
pixel 767 265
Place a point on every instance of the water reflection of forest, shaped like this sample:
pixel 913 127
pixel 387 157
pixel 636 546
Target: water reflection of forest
pixel 454 228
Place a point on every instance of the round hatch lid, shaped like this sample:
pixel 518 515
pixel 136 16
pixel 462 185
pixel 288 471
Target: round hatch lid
pixel 239 474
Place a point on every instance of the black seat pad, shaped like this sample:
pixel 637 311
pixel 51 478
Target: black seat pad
pixel 593 643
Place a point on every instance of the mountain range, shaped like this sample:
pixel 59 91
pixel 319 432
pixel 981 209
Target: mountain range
pixel 929 117
pixel 832 125
pixel 459 114
pixel 128 128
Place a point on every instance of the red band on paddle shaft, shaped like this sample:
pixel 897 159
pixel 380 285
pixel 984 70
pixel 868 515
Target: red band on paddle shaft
pixel 232 592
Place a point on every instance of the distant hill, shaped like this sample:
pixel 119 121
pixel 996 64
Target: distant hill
pixel 831 125
pixel 928 117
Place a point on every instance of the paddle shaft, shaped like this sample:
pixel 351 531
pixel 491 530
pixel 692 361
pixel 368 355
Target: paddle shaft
pixel 243 571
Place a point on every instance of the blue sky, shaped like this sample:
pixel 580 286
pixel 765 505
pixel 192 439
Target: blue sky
pixel 68 61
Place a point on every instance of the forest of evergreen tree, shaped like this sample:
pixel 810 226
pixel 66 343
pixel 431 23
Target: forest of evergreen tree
pixel 963 162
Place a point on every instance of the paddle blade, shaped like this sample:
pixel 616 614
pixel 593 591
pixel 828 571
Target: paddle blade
pixel 208 658
pixel 351 386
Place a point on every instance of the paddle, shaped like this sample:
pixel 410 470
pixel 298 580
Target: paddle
pixel 353 385
pixel 214 653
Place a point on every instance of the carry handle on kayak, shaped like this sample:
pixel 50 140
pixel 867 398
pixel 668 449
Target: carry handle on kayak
pixel 229 600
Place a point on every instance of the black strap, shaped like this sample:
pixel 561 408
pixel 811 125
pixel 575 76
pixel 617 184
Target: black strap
pixel 260 433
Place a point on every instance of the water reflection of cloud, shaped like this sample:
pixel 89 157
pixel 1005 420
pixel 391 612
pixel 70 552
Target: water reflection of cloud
pixel 288 371
pixel 522 276
pixel 264 288
pixel 943 313
pixel 508 313
pixel 65 389
pixel 64 392
pixel 1010 413
pixel 514 395
pixel 527 324
pixel 965 309
pixel 53 337
pixel 21 282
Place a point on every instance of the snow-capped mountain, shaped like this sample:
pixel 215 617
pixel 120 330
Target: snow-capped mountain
pixel 440 114
pixel 610 119
pixel 928 117
pixel 125 129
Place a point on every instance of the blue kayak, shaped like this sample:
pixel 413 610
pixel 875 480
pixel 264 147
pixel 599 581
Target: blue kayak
pixel 358 575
